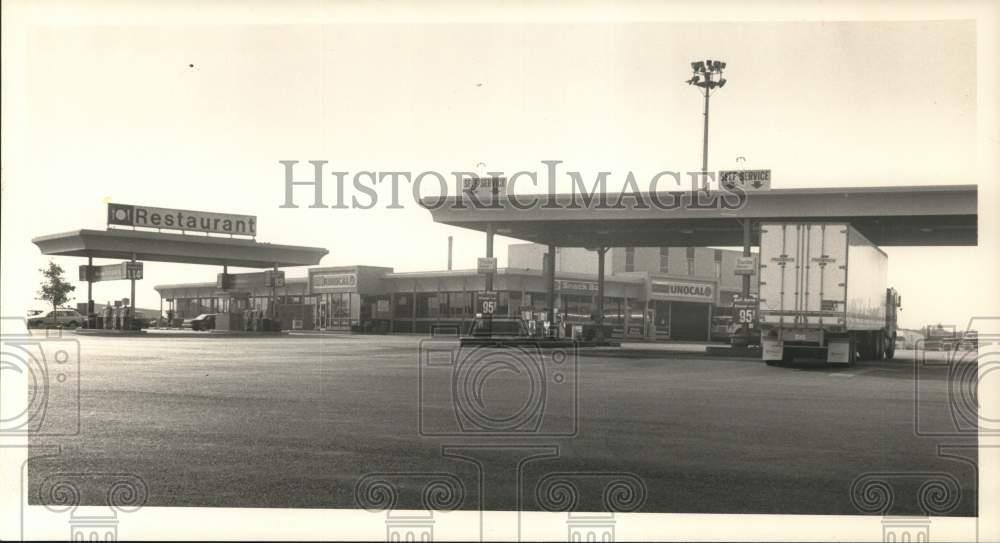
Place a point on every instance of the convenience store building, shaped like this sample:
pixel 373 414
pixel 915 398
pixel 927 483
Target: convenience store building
pixel 651 293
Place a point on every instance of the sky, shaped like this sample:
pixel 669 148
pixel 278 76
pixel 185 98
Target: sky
pixel 198 116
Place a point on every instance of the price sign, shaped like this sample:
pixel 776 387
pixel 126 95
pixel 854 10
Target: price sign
pixel 488 302
pixel 133 270
pixel 745 311
pixel 112 272
pixel 746 315
pixel 275 278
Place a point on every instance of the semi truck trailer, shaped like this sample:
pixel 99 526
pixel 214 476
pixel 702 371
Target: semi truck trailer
pixel 823 293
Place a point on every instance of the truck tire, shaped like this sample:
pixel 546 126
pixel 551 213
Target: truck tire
pixel 787 357
pixel 869 347
pixel 852 350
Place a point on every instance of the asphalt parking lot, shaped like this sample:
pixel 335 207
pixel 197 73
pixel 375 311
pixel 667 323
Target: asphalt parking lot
pixel 300 421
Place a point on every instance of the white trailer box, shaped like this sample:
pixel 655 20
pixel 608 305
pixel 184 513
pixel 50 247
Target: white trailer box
pixel 820 285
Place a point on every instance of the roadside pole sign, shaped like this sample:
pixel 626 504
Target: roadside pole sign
pixel 112 272
pixel 488 185
pixel 247 281
pixel 133 270
pixel 487 302
pixel 486 265
pixel 275 278
pixel 745 310
pixel 748 180
pixel 744 265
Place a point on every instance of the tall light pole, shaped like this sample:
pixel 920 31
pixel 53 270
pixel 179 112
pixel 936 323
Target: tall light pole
pixel 707 75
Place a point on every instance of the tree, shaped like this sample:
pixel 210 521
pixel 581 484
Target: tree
pixel 54 289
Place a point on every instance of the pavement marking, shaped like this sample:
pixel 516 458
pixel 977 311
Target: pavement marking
pixel 860 372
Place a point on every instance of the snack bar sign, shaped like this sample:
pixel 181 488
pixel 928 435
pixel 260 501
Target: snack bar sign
pixel 181 219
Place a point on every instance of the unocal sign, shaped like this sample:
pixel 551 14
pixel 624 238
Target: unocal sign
pixel 333 281
pixel 676 289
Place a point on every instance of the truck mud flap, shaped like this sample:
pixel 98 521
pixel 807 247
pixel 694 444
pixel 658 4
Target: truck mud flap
pixel 771 349
pixel 838 351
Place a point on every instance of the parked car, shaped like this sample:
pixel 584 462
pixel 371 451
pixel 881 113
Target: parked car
pixel 205 321
pixel 145 321
pixel 505 327
pixel 494 331
pixel 59 318
pixel 737 339
pixel 722 327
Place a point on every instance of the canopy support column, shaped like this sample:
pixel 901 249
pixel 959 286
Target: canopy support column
pixel 600 294
pixel 551 287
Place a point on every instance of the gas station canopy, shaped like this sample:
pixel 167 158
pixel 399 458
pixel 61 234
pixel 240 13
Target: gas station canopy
pixel 182 248
pixel 934 215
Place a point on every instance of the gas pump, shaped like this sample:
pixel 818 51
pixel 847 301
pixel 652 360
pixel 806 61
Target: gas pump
pixel 233 319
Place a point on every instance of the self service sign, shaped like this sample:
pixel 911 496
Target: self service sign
pixel 181 219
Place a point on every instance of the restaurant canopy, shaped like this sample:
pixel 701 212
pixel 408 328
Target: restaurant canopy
pixel 181 248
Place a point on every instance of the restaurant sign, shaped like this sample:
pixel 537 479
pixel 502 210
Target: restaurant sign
pixel 181 219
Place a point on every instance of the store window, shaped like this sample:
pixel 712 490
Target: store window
pixel 403 306
pixel 577 308
pixel 504 304
pixel 664 259
pixel 460 304
pixel 537 301
pixel 340 305
pixel 429 305
pixel 614 311
pixel 630 259
pixel 690 260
